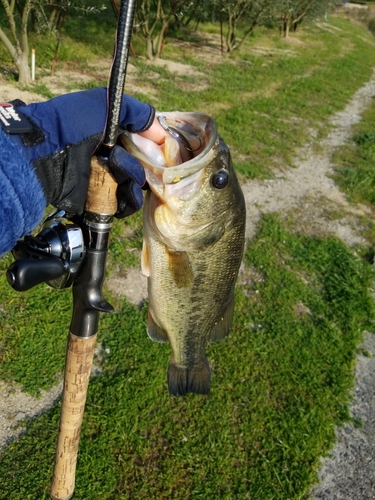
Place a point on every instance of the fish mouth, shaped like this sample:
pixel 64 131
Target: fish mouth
pixel 200 132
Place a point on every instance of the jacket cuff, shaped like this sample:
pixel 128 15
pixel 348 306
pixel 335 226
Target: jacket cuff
pixel 136 116
pixel 149 122
pixel 22 199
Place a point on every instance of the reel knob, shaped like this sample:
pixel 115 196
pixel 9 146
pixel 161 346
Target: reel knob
pixel 53 256
pixel 23 274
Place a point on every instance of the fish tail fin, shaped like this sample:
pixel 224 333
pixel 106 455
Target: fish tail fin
pixel 183 380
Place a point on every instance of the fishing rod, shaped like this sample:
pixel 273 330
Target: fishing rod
pixel 73 252
pixel 88 302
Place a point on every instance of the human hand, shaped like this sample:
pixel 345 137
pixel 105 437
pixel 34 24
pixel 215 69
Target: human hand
pixel 66 130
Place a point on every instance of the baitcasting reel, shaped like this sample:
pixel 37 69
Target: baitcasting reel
pixel 53 256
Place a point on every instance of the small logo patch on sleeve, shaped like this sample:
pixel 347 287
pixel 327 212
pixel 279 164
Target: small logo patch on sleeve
pixel 12 121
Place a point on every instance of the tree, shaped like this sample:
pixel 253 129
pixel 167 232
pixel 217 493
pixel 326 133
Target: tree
pixel 251 12
pixel 17 44
pixel 292 12
pixel 47 15
pixel 153 18
pixel 196 11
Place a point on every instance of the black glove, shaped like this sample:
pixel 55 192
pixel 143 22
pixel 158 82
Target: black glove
pixel 63 136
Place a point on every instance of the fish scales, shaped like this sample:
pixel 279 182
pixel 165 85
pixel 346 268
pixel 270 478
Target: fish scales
pixel 193 245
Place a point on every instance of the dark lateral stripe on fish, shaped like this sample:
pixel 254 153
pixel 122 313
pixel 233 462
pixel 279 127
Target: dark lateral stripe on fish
pixel 182 381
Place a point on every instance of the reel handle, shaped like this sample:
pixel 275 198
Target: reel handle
pixel 25 273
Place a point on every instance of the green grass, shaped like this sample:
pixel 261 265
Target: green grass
pixel 281 381
pixel 355 172
pixel 126 244
pixel 270 103
pixel 265 104
pixel 355 162
pixel 279 386
pixel 33 328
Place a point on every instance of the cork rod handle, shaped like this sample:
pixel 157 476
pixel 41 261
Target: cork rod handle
pixel 101 199
pixel 79 357
pixel 101 193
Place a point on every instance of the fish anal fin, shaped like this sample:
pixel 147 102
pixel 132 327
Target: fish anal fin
pixel 223 325
pixel 145 259
pixel 180 268
pixel 183 380
pixel 156 332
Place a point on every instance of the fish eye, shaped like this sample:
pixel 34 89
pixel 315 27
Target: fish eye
pixel 220 179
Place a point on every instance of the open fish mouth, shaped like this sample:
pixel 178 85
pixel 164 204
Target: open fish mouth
pixel 163 166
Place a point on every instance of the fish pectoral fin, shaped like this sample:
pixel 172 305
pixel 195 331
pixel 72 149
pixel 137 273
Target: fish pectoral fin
pixel 156 332
pixel 180 268
pixel 223 325
pixel 145 259
pixel 182 380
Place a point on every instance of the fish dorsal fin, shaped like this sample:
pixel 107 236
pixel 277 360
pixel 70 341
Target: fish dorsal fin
pixel 156 332
pixel 145 259
pixel 180 268
pixel 223 324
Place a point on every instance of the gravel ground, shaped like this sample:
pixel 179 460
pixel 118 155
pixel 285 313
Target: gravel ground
pixel 306 194
pixel 349 473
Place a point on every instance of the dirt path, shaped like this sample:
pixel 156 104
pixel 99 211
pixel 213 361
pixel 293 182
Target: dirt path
pixel 307 195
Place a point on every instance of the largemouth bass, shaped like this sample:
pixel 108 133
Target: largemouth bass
pixel 194 227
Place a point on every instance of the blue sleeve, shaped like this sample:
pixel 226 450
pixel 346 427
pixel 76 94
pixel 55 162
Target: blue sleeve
pixel 22 202
pixel 72 118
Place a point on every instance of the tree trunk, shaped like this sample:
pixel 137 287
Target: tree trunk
pixel 286 30
pixel 231 37
pixel 160 39
pixel 20 59
pixel 287 20
pixel 149 49
pixel 24 74
pixel 19 49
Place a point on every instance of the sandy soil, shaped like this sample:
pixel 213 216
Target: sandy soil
pixel 306 195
